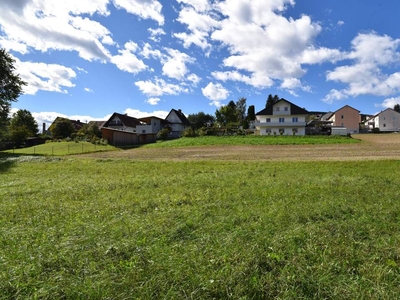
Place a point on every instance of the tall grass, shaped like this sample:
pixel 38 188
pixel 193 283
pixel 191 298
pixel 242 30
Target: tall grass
pixel 120 229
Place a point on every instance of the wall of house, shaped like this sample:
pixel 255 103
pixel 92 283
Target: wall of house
pixel 388 120
pixel 347 117
pixel 284 130
pixel 116 123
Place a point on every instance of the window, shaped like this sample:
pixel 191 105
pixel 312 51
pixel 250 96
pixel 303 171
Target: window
pixel 342 117
pixel 384 125
pixel 277 108
pixel 268 120
pixel 281 130
pixel 286 108
pixel 295 120
pixel 268 130
pixel 144 131
pixel 294 130
pixel 281 120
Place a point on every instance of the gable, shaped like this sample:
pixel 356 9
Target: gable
pixel 293 108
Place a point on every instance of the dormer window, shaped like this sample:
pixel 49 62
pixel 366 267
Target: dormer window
pixel 286 108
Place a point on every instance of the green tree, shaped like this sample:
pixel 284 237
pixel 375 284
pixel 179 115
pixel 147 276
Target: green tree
pixel 227 114
pixel 90 131
pixel 22 125
pixel 10 88
pixel 251 113
pixel 397 107
pixel 200 120
pixel 62 128
pixel 241 109
pixel 271 100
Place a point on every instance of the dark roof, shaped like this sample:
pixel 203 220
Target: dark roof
pixel 148 119
pixel 294 109
pixel 125 119
pixel 181 117
pixel 99 124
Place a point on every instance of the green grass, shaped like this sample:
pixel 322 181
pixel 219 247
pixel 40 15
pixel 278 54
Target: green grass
pixel 60 149
pixel 253 140
pixel 119 229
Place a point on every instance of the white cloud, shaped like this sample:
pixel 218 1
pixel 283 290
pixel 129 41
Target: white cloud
pixel 46 77
pixel 141 114
pixel 159 87
pixel 198 5
pixel 174 65
pixel 371 57
pixel 194 79
pixel 259 80
pixel 389 103
pixel 215 92
pixel 89 90
pixel 46 25
pixel 334 95
pixel 340 23
pixel 153 101
pixel 127 60
pixel 155 34
pixel 145 9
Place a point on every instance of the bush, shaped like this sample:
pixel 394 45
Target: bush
pixel 163 134
pixel 376 130
pixel 190 132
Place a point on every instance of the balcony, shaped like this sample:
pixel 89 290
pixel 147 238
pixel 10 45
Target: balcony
pixel 280 124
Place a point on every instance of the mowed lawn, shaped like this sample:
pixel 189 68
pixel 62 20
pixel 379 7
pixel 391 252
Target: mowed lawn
pixel 91 228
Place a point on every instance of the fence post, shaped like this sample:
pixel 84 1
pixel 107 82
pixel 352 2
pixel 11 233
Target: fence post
pixel 68 148
pixel 34 150
pixel 52 150
pixel 82 148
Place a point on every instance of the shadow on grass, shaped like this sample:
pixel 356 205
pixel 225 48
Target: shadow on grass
pixel 6 165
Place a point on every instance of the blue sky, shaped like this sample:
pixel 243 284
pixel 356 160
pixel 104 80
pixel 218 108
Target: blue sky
pixel 85 59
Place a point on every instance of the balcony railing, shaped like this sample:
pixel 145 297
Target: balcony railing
pixel 279 124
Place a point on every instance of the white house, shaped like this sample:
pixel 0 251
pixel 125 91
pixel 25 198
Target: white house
pixel 387 121
pixel 177 122
pixel 150 125
pixel 122 122
pixel 283 117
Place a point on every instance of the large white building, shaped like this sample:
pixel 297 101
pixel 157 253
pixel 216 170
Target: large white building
pixel 283 117
pixel 387 121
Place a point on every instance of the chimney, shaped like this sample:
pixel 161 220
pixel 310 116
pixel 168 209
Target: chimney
pixel 44 128
pixel 180 111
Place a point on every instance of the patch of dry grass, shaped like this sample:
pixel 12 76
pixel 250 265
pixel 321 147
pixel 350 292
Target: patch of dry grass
pixel 372 147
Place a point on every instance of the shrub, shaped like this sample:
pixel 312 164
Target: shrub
pixel 163 134
pixel 190 132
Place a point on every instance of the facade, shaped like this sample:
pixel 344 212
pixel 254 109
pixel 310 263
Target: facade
pixel 346 117
pixel 122 122
pixel 387 121
pixel 150 125
pixel 117 137
pixel 283 117
pixel 177 122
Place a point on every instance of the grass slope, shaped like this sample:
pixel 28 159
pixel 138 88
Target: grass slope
pixel 253 140
pixel 120 229
pixel 60 149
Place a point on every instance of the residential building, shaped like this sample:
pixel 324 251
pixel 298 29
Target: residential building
pixel 283 117
pixel 387 121
pixel 346 117
pixel 122 122
pixel 177 122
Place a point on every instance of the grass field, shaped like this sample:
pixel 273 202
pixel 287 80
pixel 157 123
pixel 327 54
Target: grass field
pixel 60 149
pixel 123 227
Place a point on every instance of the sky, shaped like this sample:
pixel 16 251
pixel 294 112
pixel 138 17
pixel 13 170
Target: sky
pixel 86 59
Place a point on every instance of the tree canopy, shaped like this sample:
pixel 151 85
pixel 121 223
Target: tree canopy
pixel 10 87
pixel 397 107
pixel 200 120
pixel 271 100
pixel 62 128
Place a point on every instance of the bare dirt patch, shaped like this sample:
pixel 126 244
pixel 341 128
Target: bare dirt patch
pixel 371 147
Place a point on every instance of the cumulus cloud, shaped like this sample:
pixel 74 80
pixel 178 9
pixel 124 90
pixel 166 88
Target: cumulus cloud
pixel 368 73
pixel 145 9
pixel 141 114
pixel 389 103
pixel 153 101
pixel 155 34
pixel 159 87
pixel 45 77
pixel 127 61
pixel 216 93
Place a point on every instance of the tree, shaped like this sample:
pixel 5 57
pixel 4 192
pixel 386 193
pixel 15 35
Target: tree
pixel 271 100
pixel 62 128
pixel 251 113
pixel 22 125
pixel 397 107
pixel 10 87
pixel 241 109
pixel 200 120
pixel 227 114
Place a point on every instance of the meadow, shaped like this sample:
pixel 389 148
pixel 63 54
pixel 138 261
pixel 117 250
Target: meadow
pixel 95 227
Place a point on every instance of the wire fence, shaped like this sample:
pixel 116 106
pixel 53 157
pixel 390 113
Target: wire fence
pixel 64 149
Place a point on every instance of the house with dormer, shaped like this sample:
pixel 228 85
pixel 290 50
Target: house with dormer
pixel 282 117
